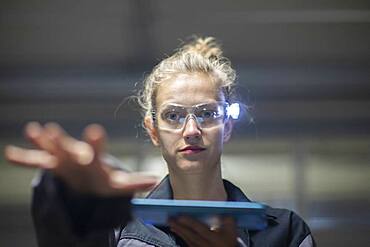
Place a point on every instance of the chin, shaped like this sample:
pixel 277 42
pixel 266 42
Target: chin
pixel 190 166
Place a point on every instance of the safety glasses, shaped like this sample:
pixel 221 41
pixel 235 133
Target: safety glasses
pixel 173 116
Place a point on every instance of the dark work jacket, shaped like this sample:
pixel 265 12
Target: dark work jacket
pixel 63 218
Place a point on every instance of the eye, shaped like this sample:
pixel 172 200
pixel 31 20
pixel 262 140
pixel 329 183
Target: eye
pixel 206 114
pixel 172 116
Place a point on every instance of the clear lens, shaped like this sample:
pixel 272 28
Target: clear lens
pixel 173 116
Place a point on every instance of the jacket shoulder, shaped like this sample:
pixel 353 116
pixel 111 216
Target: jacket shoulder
pixel 285 228
pixel 146 234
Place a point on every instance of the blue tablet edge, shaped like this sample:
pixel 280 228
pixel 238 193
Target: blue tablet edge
pixel 249 215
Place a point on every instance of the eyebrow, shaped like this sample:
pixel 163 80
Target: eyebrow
pixel 179 104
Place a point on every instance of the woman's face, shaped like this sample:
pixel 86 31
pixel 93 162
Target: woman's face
pixel 190 149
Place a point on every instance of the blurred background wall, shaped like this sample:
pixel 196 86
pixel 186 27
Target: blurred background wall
pixel 303 67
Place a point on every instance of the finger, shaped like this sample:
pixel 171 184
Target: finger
pixel 212 237
pixel 30 158
pixel 54 132
pixel 190 237
pixel 228 224
pixel 77 151
pixel 195 225
pixel 228 230
pixel 68 149
pixel 36 134
pixel 199 228
pixel 228 221
pixel 95 135
pixel 129 183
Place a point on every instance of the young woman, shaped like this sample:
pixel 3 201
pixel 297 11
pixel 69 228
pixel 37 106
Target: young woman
pixel 83 198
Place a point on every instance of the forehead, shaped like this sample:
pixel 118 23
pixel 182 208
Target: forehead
pixel 189 89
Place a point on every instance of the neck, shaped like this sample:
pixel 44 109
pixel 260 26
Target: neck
pixel 199 186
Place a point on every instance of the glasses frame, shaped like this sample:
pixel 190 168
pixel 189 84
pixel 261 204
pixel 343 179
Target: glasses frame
pixel 189 115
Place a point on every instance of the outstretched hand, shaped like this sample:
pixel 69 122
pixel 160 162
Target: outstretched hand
pixel 78 163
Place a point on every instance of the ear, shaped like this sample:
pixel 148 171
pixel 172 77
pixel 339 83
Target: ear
pixel 228 129
pixel 152 131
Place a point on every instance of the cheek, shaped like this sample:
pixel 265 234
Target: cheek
pixel 214 138
pixel 168 142
pixel 168 145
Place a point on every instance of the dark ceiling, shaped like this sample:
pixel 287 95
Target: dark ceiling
pixel 303 66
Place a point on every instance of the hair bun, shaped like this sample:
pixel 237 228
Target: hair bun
pixel 207 47
pixel 198 55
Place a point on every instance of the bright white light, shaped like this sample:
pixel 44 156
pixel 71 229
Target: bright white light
pixel 233 110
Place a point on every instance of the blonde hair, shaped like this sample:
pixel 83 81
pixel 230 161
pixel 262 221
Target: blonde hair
pixel 199 55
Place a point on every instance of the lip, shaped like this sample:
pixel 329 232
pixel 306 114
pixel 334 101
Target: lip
pixel 191 150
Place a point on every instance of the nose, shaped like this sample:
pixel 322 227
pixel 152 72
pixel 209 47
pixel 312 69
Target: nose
pixel 192 133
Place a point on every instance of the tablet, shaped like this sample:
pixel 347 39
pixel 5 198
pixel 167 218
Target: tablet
pixel 157 212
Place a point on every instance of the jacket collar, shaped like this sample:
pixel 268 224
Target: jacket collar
pixel 164 191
